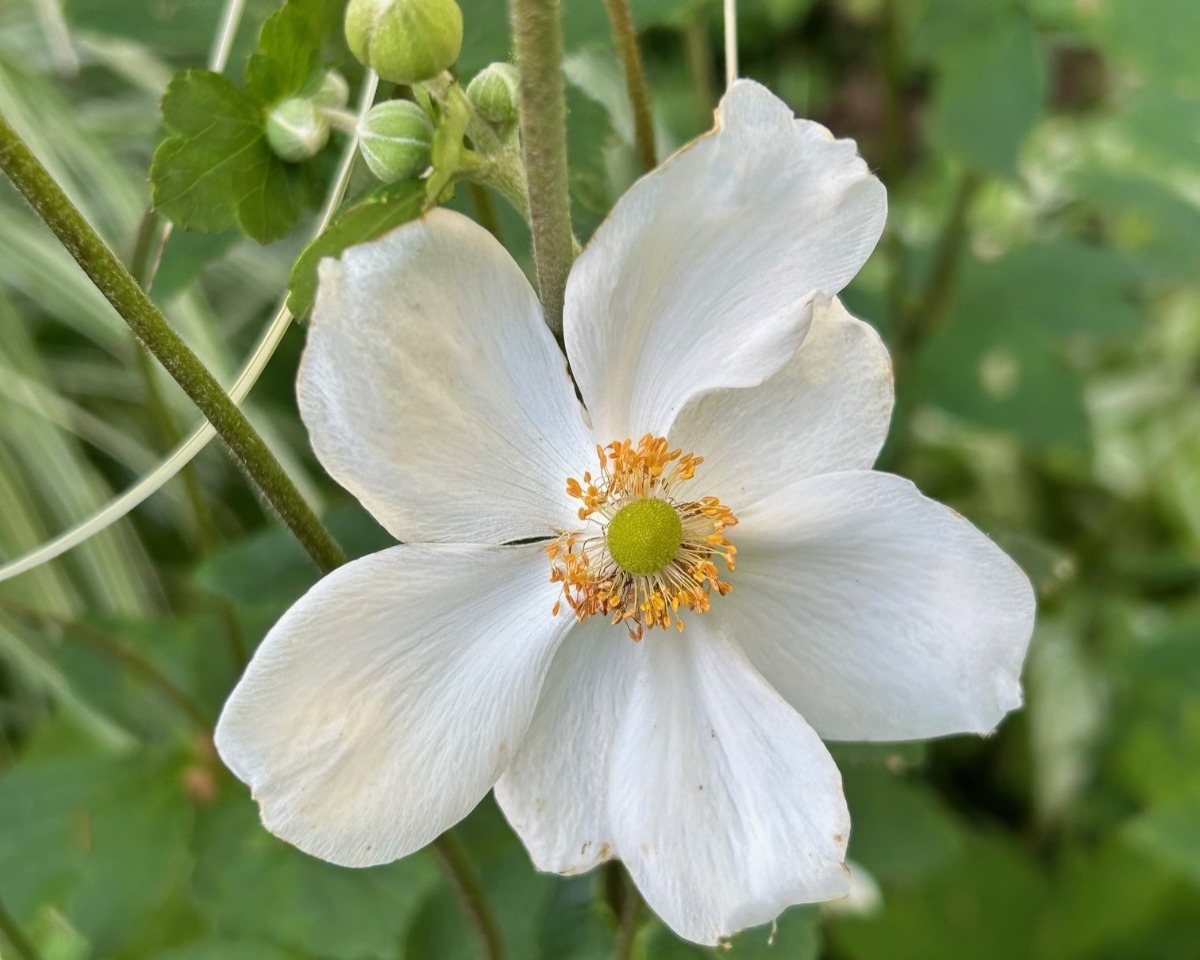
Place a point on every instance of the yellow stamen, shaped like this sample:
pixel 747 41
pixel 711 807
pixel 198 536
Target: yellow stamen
pixel 652 593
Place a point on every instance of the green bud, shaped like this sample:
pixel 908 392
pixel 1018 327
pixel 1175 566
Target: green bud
pixel 493 93
pixel 405 41
pixel 395 139
pixel 333 92
pixel 297 130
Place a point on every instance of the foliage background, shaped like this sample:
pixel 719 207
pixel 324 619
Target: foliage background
pixel 1039 287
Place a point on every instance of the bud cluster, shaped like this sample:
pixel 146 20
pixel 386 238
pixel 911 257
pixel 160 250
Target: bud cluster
pixel 405 41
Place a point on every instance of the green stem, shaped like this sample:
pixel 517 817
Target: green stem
pixel 625 41
pixel 13 933
pixel 700 64
pixel 631 913
pixel 111 647
pixel 156 334
pixel 502 172
pixel 456 864
pixel 538 43
pixel 928 313
pixel 485 210
pixel 892 151
pixel 141 267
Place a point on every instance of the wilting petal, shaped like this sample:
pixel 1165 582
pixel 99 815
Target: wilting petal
pixel 827 410
pixel 385 704
pixel 878 614
pixel 703 274
pixel 433 391
pixel 726 806
pixel 555 791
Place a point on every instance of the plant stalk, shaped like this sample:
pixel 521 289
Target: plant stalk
pixel 25 950
pixel 456 864
pixel 631 914
pixel 625 41
pixel 112 648
pixel 538 42
pixel 156 334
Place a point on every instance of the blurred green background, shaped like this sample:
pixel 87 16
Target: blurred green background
pixel 1039 285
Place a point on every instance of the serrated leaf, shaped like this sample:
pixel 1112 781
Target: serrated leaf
pixel 289 49
pixel 366 219
pixel 216 168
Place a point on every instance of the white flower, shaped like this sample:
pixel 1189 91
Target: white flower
pixel 702 316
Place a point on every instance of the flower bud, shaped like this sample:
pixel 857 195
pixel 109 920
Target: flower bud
pixel 395 139
pixel 493 93
pixel 297 130
pixel 333 92
pixel 405 41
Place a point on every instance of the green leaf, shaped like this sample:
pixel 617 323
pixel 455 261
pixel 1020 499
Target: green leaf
pixel 1172 835
pixel 576 924
pixel 1158 39
pixel 1115 901
pixel 900 828
pixel 990 90
pixel 230 950
pixel 513 888
pixel 103 837
pixel 254 886
pixel 366 219
pixel 1001 359
pixel 984 904
pixel 289 49
pixel 216 168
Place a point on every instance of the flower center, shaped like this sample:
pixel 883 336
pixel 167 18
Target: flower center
pixel 644 536
pixel 643 552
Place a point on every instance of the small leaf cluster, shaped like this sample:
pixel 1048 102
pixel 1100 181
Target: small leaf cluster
pixel 216 168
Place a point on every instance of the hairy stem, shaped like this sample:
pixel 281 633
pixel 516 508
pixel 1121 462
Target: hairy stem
pixel 625 41
pixel 456 864
pixel 503 173
pixel 206 527
pixel 156 334
pixel 537 39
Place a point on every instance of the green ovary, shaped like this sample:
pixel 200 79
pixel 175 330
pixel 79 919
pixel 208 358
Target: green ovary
pixel 644 536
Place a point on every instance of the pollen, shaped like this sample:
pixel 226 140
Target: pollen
pixel 644 551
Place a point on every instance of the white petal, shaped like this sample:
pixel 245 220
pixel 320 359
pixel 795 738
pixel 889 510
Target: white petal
pixel 555 791
pixel 878 613
pixel 702 275
pixel 433 391
pixel 726 806
pixel 827 410
pixel 385 704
